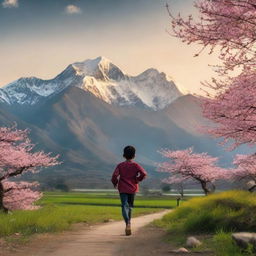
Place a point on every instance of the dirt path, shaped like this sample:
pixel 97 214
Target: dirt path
pixel 100 240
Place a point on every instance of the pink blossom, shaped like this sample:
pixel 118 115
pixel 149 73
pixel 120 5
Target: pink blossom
pixel 185 165
pixel 228 28
pixel 16 158
pixel 234 111
pixel 227 25
pixel 21 195
pixel 245 167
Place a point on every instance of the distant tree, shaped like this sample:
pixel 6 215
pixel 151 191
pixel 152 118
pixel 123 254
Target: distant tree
pixel 57 183
pixel 166 188
pixel 184 165
pixel 63 187
pixel 227 27
pixel 16 158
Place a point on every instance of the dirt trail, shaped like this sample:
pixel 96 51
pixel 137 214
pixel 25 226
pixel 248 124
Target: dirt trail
pixel 102 240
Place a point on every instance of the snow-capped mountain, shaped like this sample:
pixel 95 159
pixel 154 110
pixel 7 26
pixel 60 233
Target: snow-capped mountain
pixel 102 78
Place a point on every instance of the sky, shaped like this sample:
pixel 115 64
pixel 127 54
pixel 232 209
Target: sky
pixel 42 37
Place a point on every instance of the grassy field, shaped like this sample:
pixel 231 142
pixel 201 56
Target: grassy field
pixel 60 210
pixel 213 218
pixel 105 199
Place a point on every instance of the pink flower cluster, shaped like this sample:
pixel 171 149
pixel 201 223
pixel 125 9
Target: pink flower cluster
pixel 185 165
pixel 226 24
pixel 20 195
pixel 228 27
pixel 245 167
pixel 234 111
pixel 16 158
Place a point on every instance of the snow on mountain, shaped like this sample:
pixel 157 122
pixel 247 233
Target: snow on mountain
pixel 4 97
pixel 105 80
pixel 155 89
pixel 101 68
pixel 30 90
pixel 101 77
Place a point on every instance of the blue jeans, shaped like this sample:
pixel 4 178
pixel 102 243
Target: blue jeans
pixel 127 205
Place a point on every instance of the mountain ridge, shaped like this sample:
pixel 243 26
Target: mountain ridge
pixel 150 89
pixel 90 134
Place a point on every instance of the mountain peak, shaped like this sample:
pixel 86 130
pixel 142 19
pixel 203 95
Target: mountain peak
pixel 102 60
pixel 152 70
pixel 99 76
pixel 100 68
pixel 97 62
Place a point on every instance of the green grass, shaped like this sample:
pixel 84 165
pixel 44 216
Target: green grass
pixel 229 211
pixel 217 216
pixel 222 245
pixel 60 210
pixel 56 218
pixel 106 200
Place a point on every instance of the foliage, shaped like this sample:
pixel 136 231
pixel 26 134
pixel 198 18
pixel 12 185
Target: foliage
pixel 185 165
pixel 16 158
pixel 166 188
pixel 229 211
pixel 234 111
pixel 55 183
pixel 227 27
pixel 245 169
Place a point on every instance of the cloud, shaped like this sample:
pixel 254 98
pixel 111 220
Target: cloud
pixel 10 3
pixel 73 9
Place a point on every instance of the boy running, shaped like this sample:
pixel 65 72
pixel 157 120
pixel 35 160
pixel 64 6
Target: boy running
pixel 126 177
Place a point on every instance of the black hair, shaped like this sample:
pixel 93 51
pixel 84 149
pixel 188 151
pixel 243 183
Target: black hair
pixel 129 152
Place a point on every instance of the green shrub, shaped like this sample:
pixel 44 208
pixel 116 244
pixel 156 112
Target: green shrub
pixel 229 211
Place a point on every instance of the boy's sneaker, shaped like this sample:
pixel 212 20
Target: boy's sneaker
pixel 128 230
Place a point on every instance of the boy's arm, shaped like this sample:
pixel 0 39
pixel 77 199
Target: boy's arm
pixel 142 173
pixel 115 175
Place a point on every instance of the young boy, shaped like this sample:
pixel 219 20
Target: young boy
pixel 126 177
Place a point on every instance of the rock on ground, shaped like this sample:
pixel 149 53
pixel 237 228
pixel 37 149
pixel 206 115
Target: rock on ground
pixel 182 250
pixel 243 239
pixel 192 242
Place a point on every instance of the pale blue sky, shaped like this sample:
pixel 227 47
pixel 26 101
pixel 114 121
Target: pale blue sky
pixel 39 38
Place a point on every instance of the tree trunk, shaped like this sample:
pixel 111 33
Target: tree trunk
pixel 204 187
pixel 213 188
pixel 2 207
pixel 252 189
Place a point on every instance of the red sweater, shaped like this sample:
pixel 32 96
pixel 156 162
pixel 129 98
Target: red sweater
pixel 127 175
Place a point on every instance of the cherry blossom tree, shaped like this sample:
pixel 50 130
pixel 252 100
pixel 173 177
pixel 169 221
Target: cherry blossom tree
pixel 16 158
pixel 234 111
pixel 227 27
pixel 184 165
pixel 245 170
